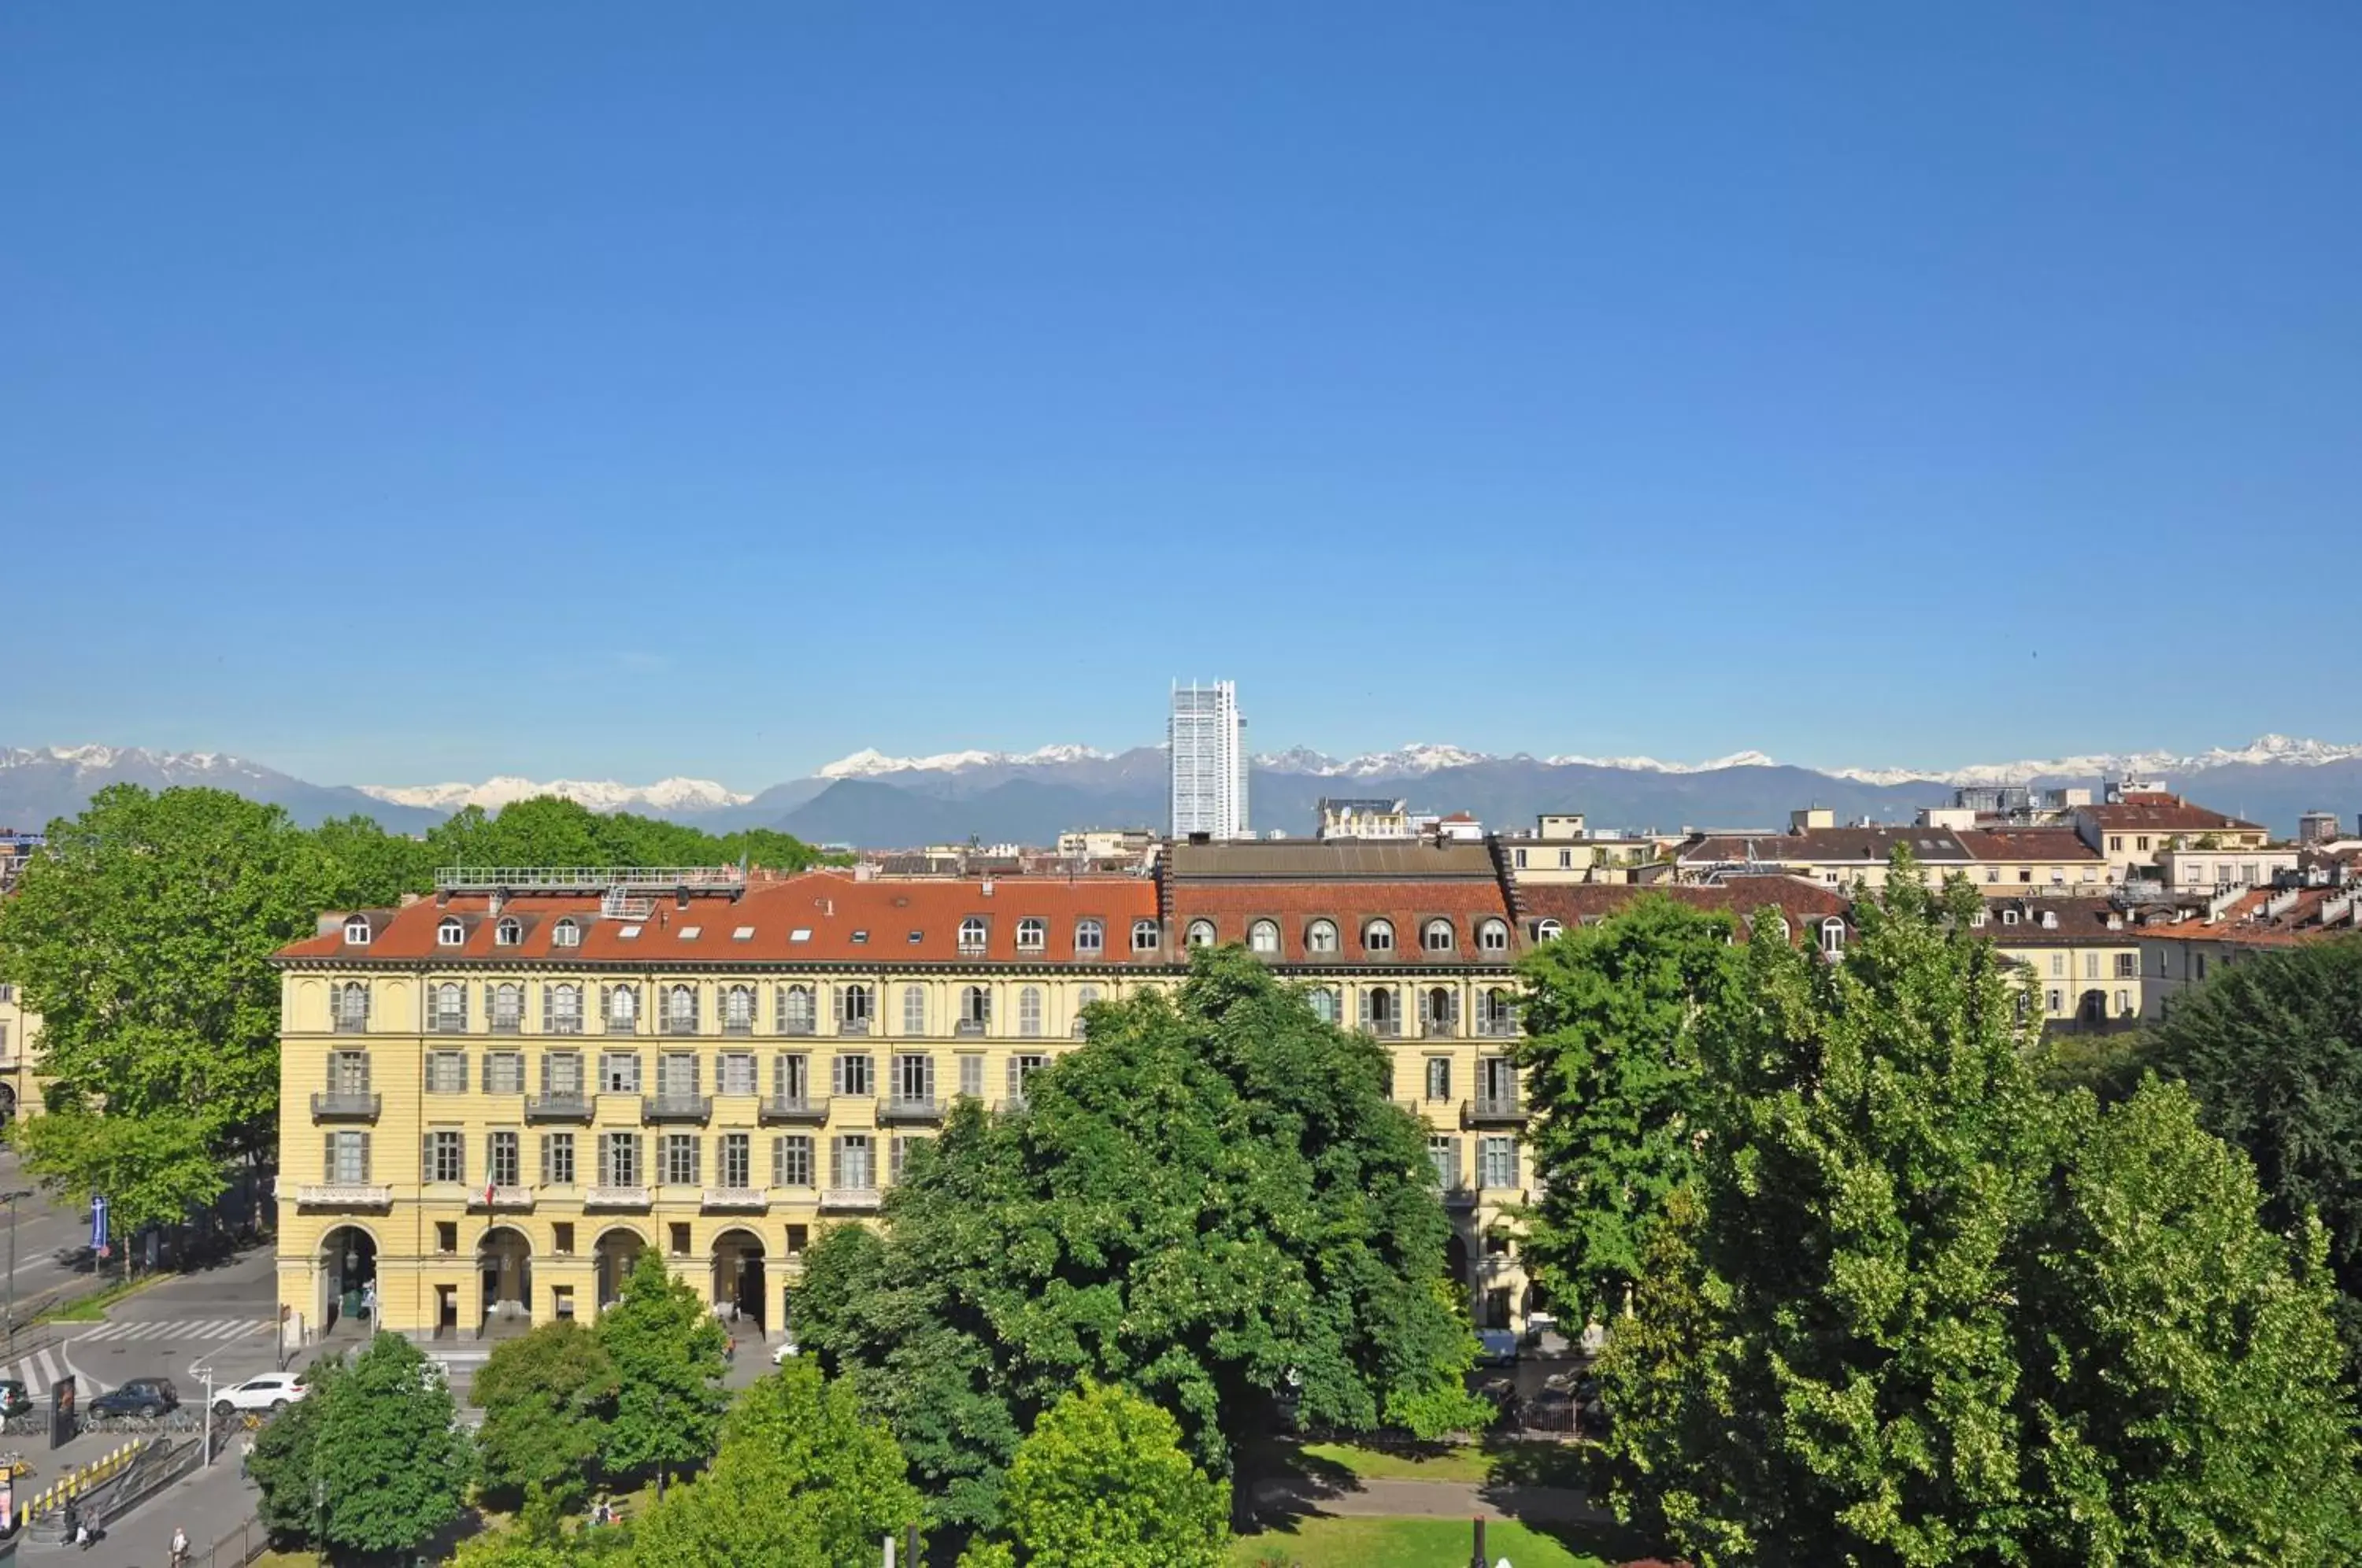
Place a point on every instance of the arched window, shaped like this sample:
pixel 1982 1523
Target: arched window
pixel 1497 1014
pixel 1201 933
pixel 738 1010
pixel 1436 936
pixel 1089 937
pixel 507 931
pixel 1547 930
pixel 352 1006
pixel 1439 1009
pixel 1085 999
pixel 681 1009
pixel 853 1007
pixel 1493 936
pixel 1324 1003
pixel 971 934
pixel 507 1007
pixel 914 1009
pixel 1029 1011
pixel 1262 937
pixel 1833 935
pixel 561 1010
pixel 450 933
pixel 1320 936
pixel 356 931
pixel 1144 938
pixel 450 1006
pixel 795 1009
pixel 566 934
pixel 1378 936
pixel 976 1010
pixel 622 1009
pixel 1032 934
pixel 1378 1013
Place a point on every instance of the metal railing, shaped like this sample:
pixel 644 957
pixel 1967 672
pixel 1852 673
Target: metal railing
pixel 849 1197
pixel 677 1108
pixel 793 1107
pixel 343 1105
pixel 343 1195
pixel 587 878
pixel 570 1106
pixel 910 1108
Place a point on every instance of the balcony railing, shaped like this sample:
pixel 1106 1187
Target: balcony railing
pixel 352 1023
pixel 795 1026
pixel 849 1197
pixel 853 1026
pixel 1495 1110
pixel 793 1107
pixel 1386 1028
pixel 345 1105
pixel 910 1108
pixel 572 1105
pixel 615 1197
pixel 344 1195
pixel 742 1198
pixel 502 1197
pixel 677 1108
pixel 504 1023
pixel 737 1026
pixel 1458 1197
pixel 1438 1028
pixel 968 1026
pixel 1500 1028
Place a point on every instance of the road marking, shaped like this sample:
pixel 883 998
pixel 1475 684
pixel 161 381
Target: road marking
pixel 45 1368
pixel 200 1329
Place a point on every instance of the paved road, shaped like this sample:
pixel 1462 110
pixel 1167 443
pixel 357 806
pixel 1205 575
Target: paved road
pixel 52 1245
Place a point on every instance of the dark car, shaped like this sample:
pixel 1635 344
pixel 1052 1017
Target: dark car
pixel 141 1396
pixel 14 1399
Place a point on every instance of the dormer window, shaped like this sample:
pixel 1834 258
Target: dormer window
pixel 1032 934
pixel 1978 919
pixel 1833 935
pixel 508 932
pixel 972 933
pixel 2049 921
pixel 2009 917
pixel 356 931
pixel 1201 933
pixel 1493 936
pixel 1548 930
pixel 450 933
pixel 1089 936
pixel 1378 936
pixel 566 934
pixel 1320 936
pixel 1143 937
pixel 1262 937
pixel 1436 936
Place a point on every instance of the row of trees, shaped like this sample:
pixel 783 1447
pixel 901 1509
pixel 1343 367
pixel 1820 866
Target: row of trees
pixel 143 939
pixel 1897 1301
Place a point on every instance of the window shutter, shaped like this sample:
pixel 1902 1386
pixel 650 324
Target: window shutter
pixel 1424 1007
pixel 1365 1007
pixel 328 1161
pixel 1016 1081
pixel 836 1004
pixel 927 1078
pixel 836 1162
pixel 365 1156
pixel 1457 1176
pixel 836 1075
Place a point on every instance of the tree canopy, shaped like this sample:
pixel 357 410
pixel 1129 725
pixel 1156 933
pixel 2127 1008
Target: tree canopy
pixel 1610 1063
pixel 1100 1482
pixel 1211 1202
pixel 544 1399
pixel 665 1351
pixel 549 830
pixel 1927 1313
pixel 390 1464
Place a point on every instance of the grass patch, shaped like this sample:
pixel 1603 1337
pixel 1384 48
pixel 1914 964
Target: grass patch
pixel 1321 1543
pixel 1526 1464
pixel 91 1308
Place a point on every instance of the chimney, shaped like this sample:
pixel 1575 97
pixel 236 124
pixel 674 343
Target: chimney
pixel 988 887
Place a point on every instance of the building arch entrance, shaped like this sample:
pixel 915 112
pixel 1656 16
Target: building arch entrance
pixel 738 1278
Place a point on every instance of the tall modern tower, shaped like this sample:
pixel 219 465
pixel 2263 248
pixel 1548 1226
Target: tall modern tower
pixel 1209 761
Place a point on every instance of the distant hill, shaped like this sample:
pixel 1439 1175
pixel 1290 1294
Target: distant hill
pixel 58 781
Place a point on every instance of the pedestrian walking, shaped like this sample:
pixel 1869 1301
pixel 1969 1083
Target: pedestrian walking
pixel 180 1547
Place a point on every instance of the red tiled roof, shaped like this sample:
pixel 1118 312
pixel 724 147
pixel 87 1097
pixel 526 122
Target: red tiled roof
pixel 895 922
pixel 2242 921
pixel 2166 813
pixel 1235 906
pixel 2027 843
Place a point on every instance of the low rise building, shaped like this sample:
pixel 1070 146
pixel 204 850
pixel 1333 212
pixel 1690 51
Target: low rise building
pixel 2081 958
pixel 2134 826
pixel 20 1079
pixel 1560 849
pixel 1816 848
pixel 2010 862
pixel 2182 947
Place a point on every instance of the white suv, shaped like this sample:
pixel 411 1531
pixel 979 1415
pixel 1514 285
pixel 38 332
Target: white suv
pixel 271 1391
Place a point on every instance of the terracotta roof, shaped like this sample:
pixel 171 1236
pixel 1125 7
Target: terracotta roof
pixel 1866 845
pixel 2166 813
pixel 843 920
pixel 2026 843
pixel 1391 860
pixel 2078 921
pixel 2244 924
pixel 1802 902
pixel 1235 906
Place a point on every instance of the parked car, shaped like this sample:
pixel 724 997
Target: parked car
pixel 1496 1347
pixel 787 1351
pixel 14 1399
pixel 141 1396
pixel 271 1391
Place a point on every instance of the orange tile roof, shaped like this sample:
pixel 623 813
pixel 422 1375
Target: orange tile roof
pixel 2027 843
pixel 1293 906
pixel 2243 922
pixel 843 920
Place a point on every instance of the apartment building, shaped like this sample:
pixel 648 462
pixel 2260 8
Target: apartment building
pixel 2081 958
pixel 1816 848
pixel 2181 948
pixel 19 1084
pixel 2013 861
pixel 2134 826
pixel 1560 849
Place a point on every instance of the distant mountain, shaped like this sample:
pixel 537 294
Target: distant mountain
pixel 880 801
pixel 58 781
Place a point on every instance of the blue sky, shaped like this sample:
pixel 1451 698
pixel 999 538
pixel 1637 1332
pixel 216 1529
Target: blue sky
pixel 395 393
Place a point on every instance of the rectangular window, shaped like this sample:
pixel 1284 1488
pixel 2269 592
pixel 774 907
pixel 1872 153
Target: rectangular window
pixel 851 1077
pixel 791 1160
pixel 794 1081
pixel 619 1160
pixel 1439 1077
pixel 557 1159
pixel 501 1160
pixel 447 1072
pixel 1521 860
pixel 849 1159
pixel 799 1238
pixel 1566 859
pixel 735 1161
pixel 2115 843
pixel 2054 1000
pixel 349 1072
pixel 504 1072
pixel 897 1154
pixel 348 1158
pixel 619 1073
pixel 1445 1153
pixel 2127 966
pixel 1500 1162
pixel 680 1158
pixel 971 1075
pixel 2091 966
pixel 446 1235
pixel 447 1157
pixel 2058 966
pixel 561 1072
pixel 1021 1069
pixel 676 1238
pixel 1497 1082
pixel 914 1011
pixel 737 1074
pixel 914 1079
pixel 676 1076
pixel 561 1238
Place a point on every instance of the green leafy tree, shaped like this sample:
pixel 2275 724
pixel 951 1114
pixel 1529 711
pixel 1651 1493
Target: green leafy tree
pixel 1101 1481
pixel 283 1464
pixel 544 831
pixel 1610 1063
pixel 2272 1049
pixel 802 1479
pixel 666 1352
pixel 1212 1202
pixel 544 1400
pixel 390 1464
pixel 372 867
pixel 143 937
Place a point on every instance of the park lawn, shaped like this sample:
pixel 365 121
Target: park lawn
pixel 1324 1542
pixel 1537 1463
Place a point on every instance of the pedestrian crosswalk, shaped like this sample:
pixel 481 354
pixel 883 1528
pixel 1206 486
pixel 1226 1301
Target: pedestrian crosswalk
pixel 177 1329
pixel 46 1367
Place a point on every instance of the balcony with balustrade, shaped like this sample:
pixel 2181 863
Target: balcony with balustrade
pixel 343 1195
pixel 660 1107
pixel 850 1200
pixel 1500 1109
pixel 562 1105
pixel 901 1108
pixel 345 1105
pixel 790 1108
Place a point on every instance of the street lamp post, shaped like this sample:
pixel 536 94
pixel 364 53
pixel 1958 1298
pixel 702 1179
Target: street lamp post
pixel 10 1198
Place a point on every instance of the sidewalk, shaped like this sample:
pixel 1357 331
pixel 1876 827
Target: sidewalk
pixel 208 1504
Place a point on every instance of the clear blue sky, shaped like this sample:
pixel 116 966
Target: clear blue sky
pixel 403 392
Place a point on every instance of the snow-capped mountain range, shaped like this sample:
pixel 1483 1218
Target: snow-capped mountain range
pixel 600 794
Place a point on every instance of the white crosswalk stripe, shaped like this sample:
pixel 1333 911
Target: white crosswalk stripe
pixel 43 1368
pixel 197 1328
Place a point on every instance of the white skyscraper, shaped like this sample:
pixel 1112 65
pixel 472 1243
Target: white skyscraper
pixel 1209 761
